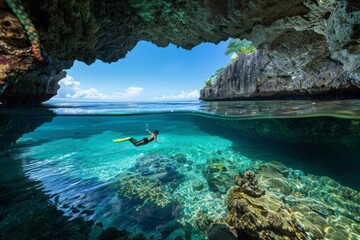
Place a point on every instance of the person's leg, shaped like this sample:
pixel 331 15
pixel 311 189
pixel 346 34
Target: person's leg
pixel 134 141
pixel 140 142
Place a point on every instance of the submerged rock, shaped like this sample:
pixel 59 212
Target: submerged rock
pixel 249 185
pixel 179 234
pixel 158 167
pixel 197 185
pixel 259 216
pixel 221 231
pixel 264 217
pixel 279 167
pixel 279 184
pixel 147 190
pixel 180 158
pixel 113 234
pixel 272 175
pixel 307 207
pixel 322 210
pixel 218 175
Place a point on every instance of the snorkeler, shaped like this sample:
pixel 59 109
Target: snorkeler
pixel 145 141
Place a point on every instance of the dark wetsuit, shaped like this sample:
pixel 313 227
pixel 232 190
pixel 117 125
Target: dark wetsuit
pixel 144 141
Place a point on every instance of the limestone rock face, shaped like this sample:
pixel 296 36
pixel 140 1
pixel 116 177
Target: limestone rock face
pixel 315 55
pixel 15 54
pixel 33 87
pixel 306 44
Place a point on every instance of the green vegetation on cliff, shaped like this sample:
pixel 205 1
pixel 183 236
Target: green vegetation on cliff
pixel 236 47
pixel 240 47
pixel 211 80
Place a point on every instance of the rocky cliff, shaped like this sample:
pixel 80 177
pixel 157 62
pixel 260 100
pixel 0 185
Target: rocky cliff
pixel 315 55
pixel 301 39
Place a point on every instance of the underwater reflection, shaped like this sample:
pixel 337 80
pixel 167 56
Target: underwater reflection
pixel 285 108
pixel 14 123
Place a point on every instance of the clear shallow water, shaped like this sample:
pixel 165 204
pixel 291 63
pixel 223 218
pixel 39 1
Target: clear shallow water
pixel 64 160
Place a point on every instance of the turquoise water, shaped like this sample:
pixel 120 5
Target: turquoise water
pixel 64 171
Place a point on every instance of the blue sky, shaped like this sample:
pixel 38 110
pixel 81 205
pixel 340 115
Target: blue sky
pixel 147 73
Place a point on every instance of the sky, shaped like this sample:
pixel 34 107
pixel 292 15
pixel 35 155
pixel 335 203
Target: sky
pixel 147 73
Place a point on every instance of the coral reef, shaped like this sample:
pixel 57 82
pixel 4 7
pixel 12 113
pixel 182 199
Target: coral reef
pixel 260 217
pixel 160 195
pixel 149 190
pixel 249 185
pixel 293 206
pixel 153 179
pixel 149 186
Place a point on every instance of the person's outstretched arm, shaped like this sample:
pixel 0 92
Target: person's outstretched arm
pixel 158 141
pixel 149 131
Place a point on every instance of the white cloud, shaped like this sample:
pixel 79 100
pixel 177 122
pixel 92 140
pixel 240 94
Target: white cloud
pixel 91 93
pixel 182 95
pixel 132 92
pixel 70 88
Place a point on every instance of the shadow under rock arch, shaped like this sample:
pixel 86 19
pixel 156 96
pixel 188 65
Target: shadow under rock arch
pixel 314 157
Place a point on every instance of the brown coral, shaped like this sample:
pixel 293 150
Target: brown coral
pixel 260 215
pixel 249 185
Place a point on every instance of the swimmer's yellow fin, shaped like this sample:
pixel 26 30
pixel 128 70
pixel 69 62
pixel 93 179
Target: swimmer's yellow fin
pixel 117 140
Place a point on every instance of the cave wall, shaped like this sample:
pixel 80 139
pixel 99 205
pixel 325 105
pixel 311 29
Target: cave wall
pixel 87 30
